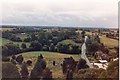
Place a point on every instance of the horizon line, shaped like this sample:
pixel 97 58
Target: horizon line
pixel 14 25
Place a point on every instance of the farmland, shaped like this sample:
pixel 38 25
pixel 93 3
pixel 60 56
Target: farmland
pixel 6 29
pixel 58 44
pixel 111 43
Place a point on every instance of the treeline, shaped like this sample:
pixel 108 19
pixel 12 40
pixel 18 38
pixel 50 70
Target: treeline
pixel 10 36
pixel 68 48
pixel 113 35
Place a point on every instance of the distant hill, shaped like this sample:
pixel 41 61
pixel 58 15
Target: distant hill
pixel 66 27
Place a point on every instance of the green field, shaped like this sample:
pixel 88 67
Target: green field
pixel 6 29
pixel 49 57
pixel 5 41
pixel 108 42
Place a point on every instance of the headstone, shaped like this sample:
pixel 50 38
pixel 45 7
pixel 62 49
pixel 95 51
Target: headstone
pixel 64 67
pixel 53 63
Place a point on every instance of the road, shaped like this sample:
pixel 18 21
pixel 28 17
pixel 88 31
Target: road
pixel 83 54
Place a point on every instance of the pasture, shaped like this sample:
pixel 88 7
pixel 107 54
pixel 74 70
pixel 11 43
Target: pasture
pixel 49 57
pixel 6 29
pixel 5 41
pixel 108 42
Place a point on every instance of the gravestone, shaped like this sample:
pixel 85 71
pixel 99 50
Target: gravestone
pixel 53 63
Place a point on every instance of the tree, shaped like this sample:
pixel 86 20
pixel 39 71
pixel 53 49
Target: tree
pixel 36 45
pixel 82 64
pixel 28 39
pixel 19 59
pixel 24 72
pixel 83 34
pixel 93 47
pixel 23 45
pixel 68 46
pixel 38 68
pixel 75 49
pixel 33 37
pixel 10 49
pixel 52 47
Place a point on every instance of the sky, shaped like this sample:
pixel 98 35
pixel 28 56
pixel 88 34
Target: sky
pixel 69 13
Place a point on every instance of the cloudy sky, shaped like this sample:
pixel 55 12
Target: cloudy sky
pixel 85 13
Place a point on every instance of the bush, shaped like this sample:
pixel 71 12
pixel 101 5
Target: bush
pixel 19 59
pixel 36 45
pixel 88 73
pixel 27 39
pixel 68 46
pixel 9 71
pixel 82 64
pixel 10 49
pixel 29 62
pixel 112 71
pixel 13 57
pixel 23 46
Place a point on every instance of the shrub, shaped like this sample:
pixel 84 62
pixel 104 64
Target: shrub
pixel 13 57
pixel 29 62
pixel 23 46
pixel 88 73
pixel 112 71
pixel 19 59
pixel 82 64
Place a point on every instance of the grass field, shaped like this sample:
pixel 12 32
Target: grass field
pixel 111 43
pixel 5 41
pixel 49 57
pixel 5 29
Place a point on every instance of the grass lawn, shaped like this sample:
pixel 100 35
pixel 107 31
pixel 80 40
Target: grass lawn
pixel 111 43
pixel 49 57
pixel 5 41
